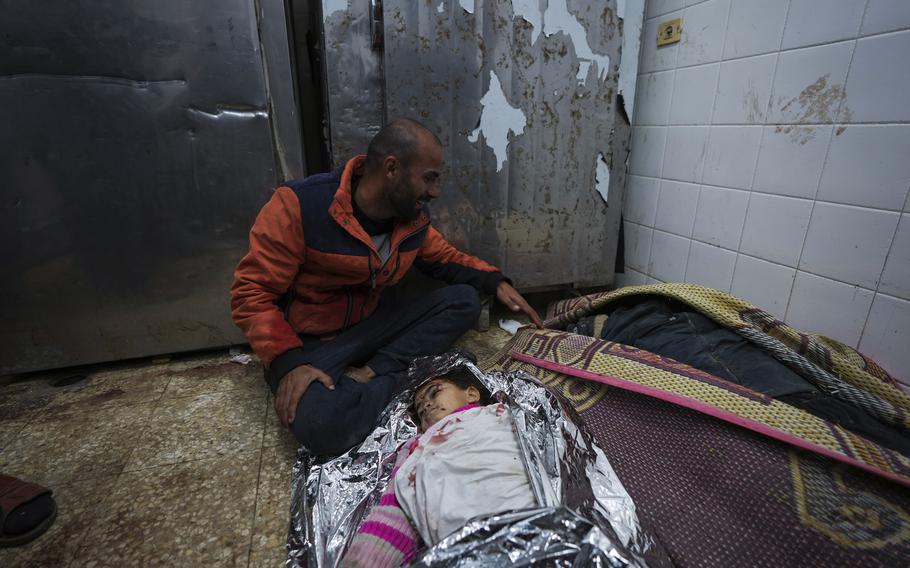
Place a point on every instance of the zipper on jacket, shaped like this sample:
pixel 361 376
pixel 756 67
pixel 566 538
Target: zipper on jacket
pixel 409 235
pixel 393 251
pixel 397 265
pixel 370 269
pixel 397 254
pixel 398 245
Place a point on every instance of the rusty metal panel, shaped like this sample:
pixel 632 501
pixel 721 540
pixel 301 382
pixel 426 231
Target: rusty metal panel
pixel 522 95
pixel 138 141
pixel 353 78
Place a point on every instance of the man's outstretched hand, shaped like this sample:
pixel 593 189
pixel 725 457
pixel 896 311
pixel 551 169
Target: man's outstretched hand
pixel 292 387
pixel 513 300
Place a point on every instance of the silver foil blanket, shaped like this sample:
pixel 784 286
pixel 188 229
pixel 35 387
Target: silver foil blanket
pixel 585 517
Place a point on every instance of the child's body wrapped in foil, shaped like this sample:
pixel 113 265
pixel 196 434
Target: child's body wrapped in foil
pixel 454 476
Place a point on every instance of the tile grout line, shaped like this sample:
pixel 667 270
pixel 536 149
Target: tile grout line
pixel 775 263
pixel 764 121
pixel 742 230
pixel 153 401
pixel 815 197
pixel 262 447
pixel 198 394
pixel 710 125
pixel 110 405
pixel 660 190
pixel 213 456
pixel 155 404
pixel 842 103
pixel 751 190
pixel 881 274
pixel 891 297
pixel 789 49
pixel 663 156
pixel 818 184
pixel 862 19
pixel 146 430
pixel 18 431
pixel 182 461
pixel 109 494
pixel 781 195
pixel 771 123
pixel 139 402
pixel 249 557
pixel 878 281
pixel 86 530
pixel 780 45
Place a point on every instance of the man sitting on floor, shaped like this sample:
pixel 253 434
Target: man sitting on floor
pixel 307 294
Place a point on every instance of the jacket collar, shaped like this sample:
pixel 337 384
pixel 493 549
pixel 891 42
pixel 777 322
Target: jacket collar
pixel 342 209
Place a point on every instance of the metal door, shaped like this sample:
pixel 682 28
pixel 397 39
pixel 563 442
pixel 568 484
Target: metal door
pixel 523 95
pixel 138 139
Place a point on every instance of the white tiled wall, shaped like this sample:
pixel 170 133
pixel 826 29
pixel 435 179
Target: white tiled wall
pixel 771 159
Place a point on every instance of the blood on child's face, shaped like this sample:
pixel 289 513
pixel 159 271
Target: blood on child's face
pixel 438 398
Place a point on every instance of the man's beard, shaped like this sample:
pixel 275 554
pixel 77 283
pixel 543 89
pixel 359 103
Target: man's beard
pixel 403 198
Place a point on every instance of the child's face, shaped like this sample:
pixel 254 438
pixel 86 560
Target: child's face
pixel 438 398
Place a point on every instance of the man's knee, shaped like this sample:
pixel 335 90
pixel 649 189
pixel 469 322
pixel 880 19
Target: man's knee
pixel 324 437
pixel 329 423
pixel 462 298
pixel 315 422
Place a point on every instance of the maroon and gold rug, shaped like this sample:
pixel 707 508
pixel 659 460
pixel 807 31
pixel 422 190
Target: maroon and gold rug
pixel 725 475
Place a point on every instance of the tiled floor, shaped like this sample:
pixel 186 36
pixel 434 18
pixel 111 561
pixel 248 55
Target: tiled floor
pixel 176 464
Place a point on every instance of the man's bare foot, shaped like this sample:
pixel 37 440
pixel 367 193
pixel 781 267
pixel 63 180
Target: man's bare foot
pixel 360 374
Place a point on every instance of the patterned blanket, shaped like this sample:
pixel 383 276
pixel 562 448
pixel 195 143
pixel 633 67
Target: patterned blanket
pixel 728 476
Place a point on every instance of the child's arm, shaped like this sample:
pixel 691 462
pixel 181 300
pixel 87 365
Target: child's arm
pixel 386 538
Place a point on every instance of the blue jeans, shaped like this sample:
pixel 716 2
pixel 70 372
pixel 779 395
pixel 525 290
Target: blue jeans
pixel 330 422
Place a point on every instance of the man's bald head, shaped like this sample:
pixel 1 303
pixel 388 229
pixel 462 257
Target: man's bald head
pixel 403 138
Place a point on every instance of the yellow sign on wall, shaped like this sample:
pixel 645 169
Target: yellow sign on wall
pixel 669 31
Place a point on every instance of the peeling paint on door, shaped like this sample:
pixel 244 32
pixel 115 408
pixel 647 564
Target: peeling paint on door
pixel 329 7
pixel 631 12
pixel 602 177
pixel 557 18
pixel 530 11
pixel 497 119
pixel 538 81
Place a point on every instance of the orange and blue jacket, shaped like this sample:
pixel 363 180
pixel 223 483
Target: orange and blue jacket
pixel 312 269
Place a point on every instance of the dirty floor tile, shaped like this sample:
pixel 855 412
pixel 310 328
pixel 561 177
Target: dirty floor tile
pixel 275 434
pixel 485 344
pixel 269 558
pixel 22 399
pixel 109 388
pixel 190 514
pixel 205 426
pixel 270 528
pixel 79 505
pixel 217 377
pixel 192 360
pixel 181 463
pixel 8 431
pixel 64 446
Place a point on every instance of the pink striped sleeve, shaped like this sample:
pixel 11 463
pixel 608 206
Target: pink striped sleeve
pixel 386 538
